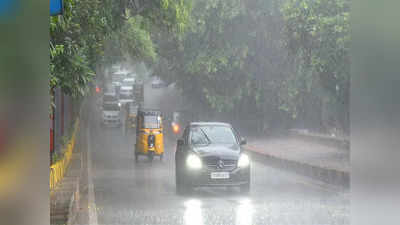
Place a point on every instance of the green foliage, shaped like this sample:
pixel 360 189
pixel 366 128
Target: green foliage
pixel 131 41
pixel 94 33
pixel 318 37
pixel 272 57
pixel 75 45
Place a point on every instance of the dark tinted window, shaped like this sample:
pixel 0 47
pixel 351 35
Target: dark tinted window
pixel 202 135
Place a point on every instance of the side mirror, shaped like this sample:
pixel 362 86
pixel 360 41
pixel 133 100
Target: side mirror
pixel 180 142
pixel 243 141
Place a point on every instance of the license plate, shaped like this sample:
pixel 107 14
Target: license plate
pixel 219 175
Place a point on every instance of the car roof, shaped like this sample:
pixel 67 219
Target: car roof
pixel 126 88
pixel 210 124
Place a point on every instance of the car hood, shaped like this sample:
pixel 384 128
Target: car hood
pixel 222 151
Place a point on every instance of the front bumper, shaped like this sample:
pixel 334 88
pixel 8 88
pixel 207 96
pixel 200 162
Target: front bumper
pixel 237 176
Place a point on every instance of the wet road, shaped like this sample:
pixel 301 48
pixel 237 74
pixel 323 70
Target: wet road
pixel 125 192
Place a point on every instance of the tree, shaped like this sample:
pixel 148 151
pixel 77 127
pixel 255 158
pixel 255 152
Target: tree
pixel 78 37
pixel 318 37
pixel 245 57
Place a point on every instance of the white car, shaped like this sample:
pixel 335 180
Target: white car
pixel 110 98
pixel 128 82
pixel 157 83
pixel 111 115
pixel 116 84
pixel 126 92
pixel 118 76
pixel 125 95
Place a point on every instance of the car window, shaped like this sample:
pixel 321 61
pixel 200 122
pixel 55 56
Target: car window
pixel 202 135
pixel 197 137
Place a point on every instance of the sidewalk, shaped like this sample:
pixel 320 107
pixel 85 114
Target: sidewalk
pixel 64 199
pixel 311 158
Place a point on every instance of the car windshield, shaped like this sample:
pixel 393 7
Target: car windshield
pixel 203 135
pixel 111 107
pixel 151 122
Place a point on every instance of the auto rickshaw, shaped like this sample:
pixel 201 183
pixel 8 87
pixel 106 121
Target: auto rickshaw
pixel 149 134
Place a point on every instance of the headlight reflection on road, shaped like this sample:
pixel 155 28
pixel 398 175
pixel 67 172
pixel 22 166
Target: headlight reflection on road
pixel 193 214
pixel 244 212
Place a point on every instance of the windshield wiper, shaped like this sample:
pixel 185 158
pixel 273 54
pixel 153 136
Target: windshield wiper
pixel 205 135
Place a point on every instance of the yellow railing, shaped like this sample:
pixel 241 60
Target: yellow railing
pixel 58 169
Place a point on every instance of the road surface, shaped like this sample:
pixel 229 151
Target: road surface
pixel 125 192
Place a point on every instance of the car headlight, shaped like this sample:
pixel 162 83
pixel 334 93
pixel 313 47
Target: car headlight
pixel 244 161
pixel 193 162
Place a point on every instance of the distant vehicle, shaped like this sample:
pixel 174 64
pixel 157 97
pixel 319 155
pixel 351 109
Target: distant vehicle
pixel 110 98
pixel 119 76
pixel 117 86
pixel 123 73
pixel 210 154
pixel 157 83
pixel 128 82
pixel 149 134
pixel 116 83
pixel 126 92
pixel 126 95
pixel 111 115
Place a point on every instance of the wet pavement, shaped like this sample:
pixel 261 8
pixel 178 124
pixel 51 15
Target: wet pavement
pixel 129 192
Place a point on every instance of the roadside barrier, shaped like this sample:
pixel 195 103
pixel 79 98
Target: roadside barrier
pixel 59 168
pixel 326 175
pixel 335 142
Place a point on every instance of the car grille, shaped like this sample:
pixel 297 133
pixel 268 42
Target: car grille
pixel 212 164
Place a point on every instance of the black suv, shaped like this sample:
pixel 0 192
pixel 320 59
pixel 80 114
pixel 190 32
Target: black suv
pixel 210 154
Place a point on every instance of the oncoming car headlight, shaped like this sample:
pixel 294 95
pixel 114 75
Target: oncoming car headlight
pixel 193 162
pixel 244 161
